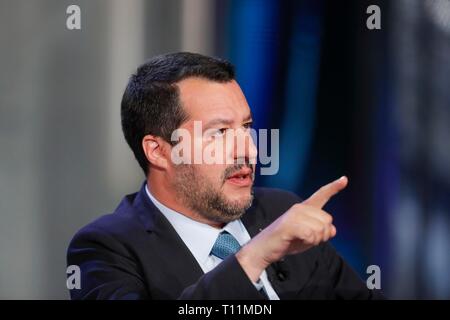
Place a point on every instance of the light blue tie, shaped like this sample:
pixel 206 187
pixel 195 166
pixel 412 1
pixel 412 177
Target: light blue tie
pixel 225 245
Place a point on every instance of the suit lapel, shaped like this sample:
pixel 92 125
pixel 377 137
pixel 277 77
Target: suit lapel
pixel 175 261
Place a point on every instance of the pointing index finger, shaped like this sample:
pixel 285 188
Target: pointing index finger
pixel 323 195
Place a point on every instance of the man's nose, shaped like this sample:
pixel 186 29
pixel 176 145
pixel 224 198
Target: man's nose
pixel 244 146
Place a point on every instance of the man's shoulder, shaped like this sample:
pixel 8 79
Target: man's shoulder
pixel 271 194
pixel 273 201
pixel 275 197
pixel 117 225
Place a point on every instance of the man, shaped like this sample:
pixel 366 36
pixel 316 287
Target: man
pixel 200 230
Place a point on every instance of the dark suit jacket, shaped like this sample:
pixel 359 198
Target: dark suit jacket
pixel 135 253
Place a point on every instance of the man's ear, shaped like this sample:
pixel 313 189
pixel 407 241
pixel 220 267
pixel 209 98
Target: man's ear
pixel 156 150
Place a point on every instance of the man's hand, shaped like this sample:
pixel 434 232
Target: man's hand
pixel 303 226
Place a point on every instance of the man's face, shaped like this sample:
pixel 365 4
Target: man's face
pixel 222 191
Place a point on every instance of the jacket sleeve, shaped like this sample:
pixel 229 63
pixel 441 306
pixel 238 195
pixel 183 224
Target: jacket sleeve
pixel 346 283
pixel 227 281
pixel 109 271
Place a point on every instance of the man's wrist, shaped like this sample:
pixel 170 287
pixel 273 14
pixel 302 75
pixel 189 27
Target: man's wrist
pixel 251 263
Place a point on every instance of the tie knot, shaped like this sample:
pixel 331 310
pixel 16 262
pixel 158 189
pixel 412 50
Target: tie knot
pixel 225 245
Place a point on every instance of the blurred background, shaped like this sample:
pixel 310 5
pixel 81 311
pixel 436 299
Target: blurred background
pixel 371 104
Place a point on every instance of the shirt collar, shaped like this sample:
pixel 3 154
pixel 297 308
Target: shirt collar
pixel 198 237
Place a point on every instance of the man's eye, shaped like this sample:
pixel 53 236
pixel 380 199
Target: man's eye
pixel 248 125
pixel 220 132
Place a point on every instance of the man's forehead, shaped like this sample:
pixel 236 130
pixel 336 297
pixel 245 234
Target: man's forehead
pixel 204 97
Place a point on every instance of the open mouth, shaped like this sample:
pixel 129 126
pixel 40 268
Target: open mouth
pixel 241 178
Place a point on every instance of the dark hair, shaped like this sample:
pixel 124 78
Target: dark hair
pixel 150 103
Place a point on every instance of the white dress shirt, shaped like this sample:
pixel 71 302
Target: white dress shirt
pixel 200 239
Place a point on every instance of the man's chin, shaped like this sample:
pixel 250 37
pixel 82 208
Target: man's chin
pixel 234 194
pixel 242 200
pixel 232 206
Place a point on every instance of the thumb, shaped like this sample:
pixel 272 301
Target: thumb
pixel 321 196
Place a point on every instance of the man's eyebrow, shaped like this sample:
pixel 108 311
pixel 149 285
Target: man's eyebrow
pixel 225 121
pixel 218 121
